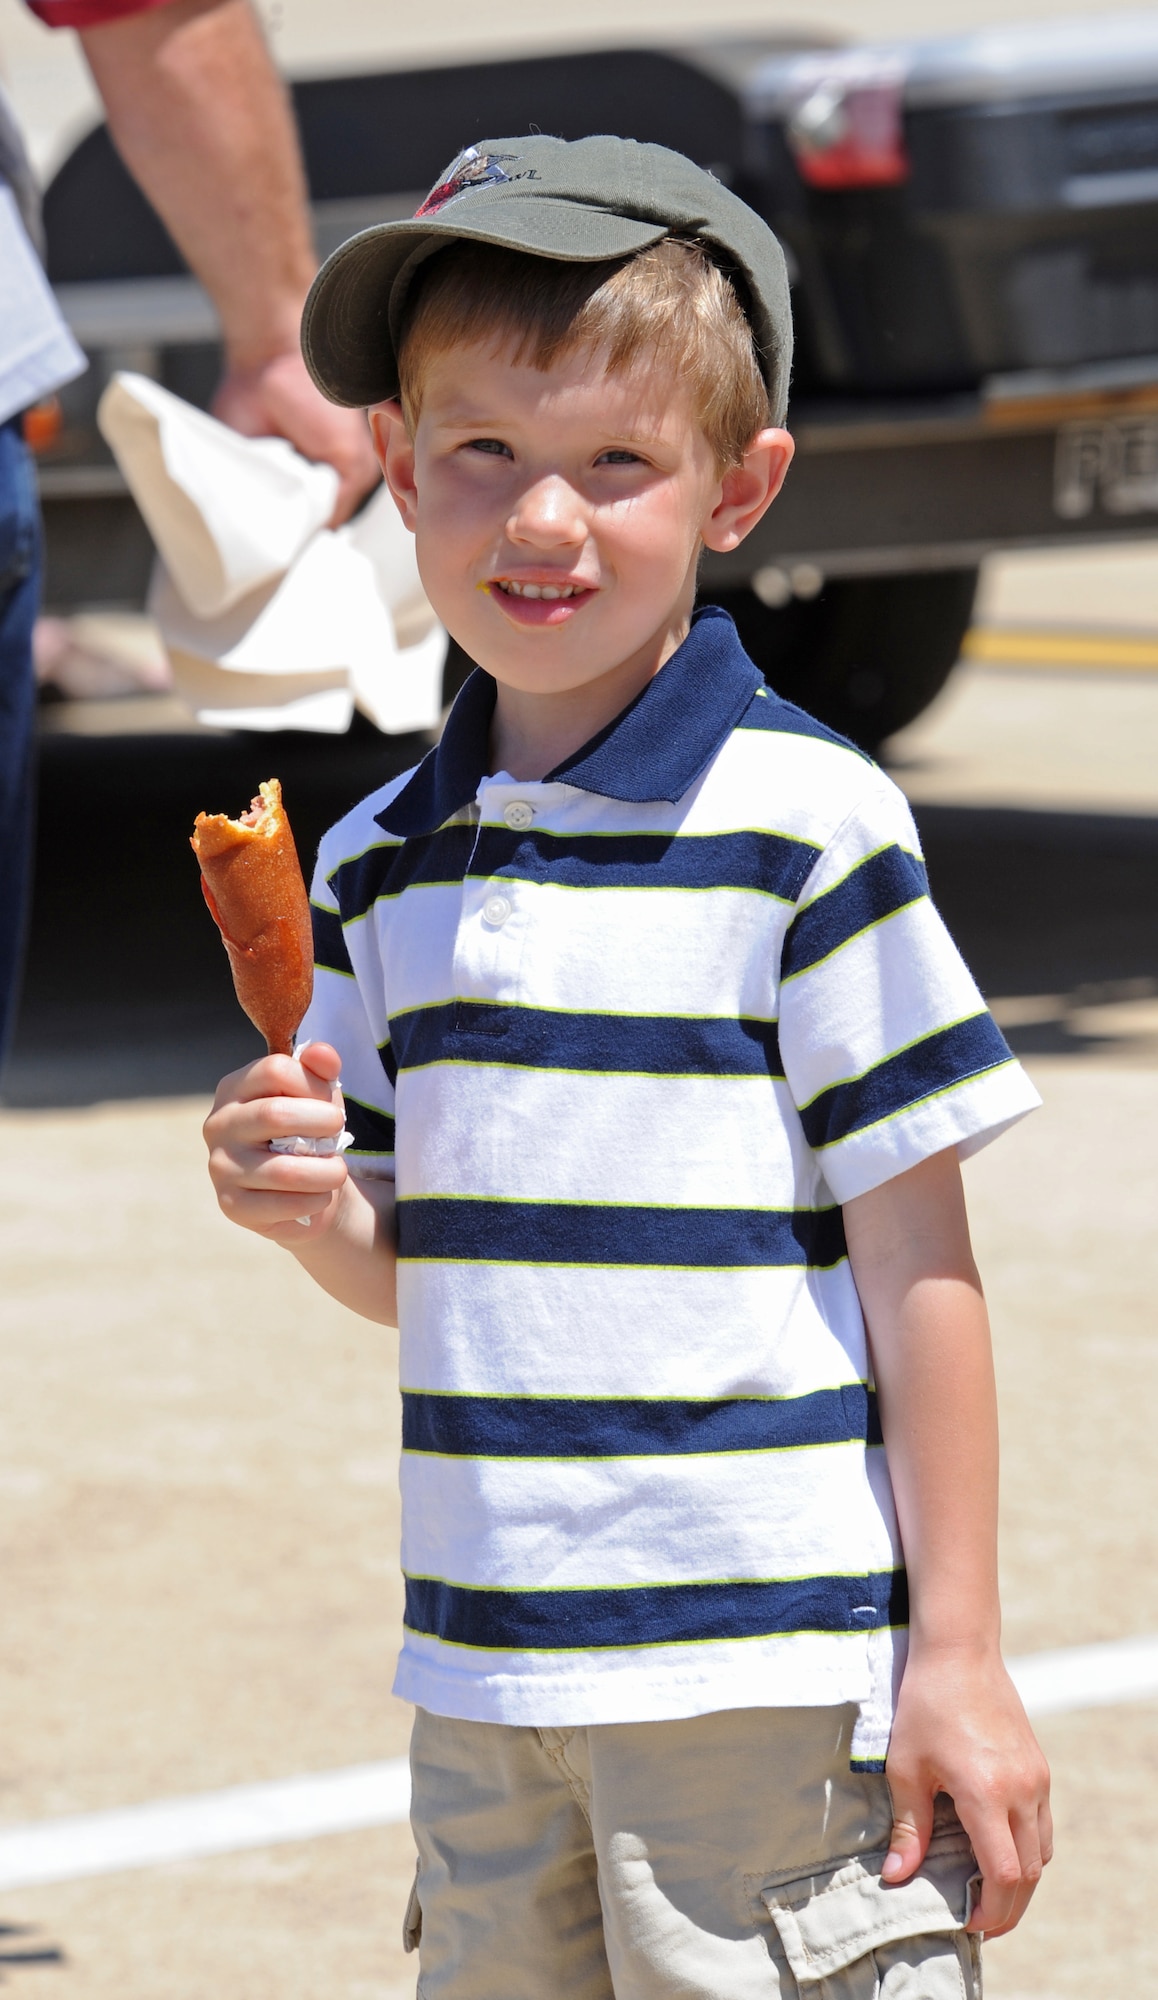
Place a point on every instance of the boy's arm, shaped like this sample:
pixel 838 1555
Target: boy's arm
pixel 960 1727
pixel 347 1244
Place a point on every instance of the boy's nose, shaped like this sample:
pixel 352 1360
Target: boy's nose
pixel 550 514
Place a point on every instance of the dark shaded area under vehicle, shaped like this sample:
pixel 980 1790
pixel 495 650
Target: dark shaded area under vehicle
pixel 128 991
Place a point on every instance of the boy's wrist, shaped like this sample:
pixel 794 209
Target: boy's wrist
pixel 978 1644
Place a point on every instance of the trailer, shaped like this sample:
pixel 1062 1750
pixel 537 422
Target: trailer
pixel 971 225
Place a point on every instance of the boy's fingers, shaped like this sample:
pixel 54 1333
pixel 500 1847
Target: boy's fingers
pixel 912 1829
pixel 1009 1874
pixel 1024 1835
pixel 255 1170
pixel 283 1217
pixel 261 1119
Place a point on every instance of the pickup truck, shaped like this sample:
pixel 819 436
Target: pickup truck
pixel 972 229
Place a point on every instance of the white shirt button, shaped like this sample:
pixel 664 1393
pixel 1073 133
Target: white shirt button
pixel 496 910
pixel 518 815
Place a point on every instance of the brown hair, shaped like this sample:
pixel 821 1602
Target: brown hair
pixel 668 304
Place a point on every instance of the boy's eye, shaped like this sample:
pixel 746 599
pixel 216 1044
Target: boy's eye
pixel 618 457
pixel 493 446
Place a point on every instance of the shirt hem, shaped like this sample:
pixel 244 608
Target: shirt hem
pixel 807 1671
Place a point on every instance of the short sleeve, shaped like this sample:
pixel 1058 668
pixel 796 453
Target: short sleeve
pixel 349 1009
pixel 889 1050
pixel 90 13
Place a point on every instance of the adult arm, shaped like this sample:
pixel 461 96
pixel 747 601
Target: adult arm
pixel 202 121
pixel 960 1727
pixel 341 1230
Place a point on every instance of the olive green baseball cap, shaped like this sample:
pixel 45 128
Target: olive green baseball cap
pixel 579 200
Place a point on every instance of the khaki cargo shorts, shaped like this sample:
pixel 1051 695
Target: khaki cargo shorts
pixel 726 1857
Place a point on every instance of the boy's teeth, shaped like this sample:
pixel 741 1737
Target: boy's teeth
pixel 551 590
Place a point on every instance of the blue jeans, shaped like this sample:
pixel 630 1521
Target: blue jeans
pixel 20 565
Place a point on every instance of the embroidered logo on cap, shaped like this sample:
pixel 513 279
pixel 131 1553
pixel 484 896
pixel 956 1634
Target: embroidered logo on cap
pixel 471 169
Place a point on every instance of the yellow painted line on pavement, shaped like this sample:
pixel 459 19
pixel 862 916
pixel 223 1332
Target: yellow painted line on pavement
pixel 1016 646
pixel 374 1795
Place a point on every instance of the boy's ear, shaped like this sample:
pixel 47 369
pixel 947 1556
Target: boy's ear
pixel 395 448
pixel 746 492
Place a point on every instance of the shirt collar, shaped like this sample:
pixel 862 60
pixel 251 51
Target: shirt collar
pixel 655 748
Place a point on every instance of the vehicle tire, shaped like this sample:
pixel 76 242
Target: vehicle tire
pixel 867 654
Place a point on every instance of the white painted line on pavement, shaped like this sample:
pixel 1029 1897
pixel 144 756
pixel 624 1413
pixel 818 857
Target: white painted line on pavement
pixel 1087 1676
pixel 62 1850
pixel 371 1795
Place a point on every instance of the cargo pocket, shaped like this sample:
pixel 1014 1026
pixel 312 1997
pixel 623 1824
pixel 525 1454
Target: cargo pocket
pixel 846 1936
pixel 412 1921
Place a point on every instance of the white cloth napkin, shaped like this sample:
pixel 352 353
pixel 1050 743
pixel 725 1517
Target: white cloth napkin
pixel 227 512
pixel 271 619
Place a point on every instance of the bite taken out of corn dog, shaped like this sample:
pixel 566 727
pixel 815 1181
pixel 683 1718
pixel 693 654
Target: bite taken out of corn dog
pixel 252 882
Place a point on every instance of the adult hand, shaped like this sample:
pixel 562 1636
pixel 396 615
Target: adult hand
pixel 277 398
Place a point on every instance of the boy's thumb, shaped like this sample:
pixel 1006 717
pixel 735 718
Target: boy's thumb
pixel 911 1832
pixel 322 1060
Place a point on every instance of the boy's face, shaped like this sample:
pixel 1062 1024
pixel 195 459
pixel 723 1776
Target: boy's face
pixel 597 489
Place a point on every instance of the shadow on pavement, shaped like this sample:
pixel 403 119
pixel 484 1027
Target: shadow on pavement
pixel 14 1954
pixel 127 989
pixel 1055 913
pixel 128 993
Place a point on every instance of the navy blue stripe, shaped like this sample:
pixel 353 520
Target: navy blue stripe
pixel 782 718
pixel 651 1614
pixel 935 1063
pixel 441 1228
pixel 329 943
pixel 768 863
pixel 624 1427
pixel 625 1044
pixel 386 871
pixel 883 884
pixel 373 1130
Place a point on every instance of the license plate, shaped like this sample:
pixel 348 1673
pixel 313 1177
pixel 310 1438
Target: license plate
pixel 1113 466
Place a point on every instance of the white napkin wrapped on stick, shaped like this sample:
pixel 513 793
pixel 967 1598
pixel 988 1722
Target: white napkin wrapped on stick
pixel 271 619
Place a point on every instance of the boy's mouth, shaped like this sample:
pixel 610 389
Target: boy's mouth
pixel 509 587
pixel 538 603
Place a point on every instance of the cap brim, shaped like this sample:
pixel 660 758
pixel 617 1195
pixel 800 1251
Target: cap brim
pixel 351 318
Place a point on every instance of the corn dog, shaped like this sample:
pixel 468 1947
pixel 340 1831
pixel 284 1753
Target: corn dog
pixel 252 882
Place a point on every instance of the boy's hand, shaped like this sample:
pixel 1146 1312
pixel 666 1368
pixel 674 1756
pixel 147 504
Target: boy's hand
pixel 960 1728
pixel 288 1198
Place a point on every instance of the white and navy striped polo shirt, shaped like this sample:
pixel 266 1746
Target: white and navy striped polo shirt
pixel 626 1038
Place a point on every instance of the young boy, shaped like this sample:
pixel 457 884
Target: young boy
pixel 658 1064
